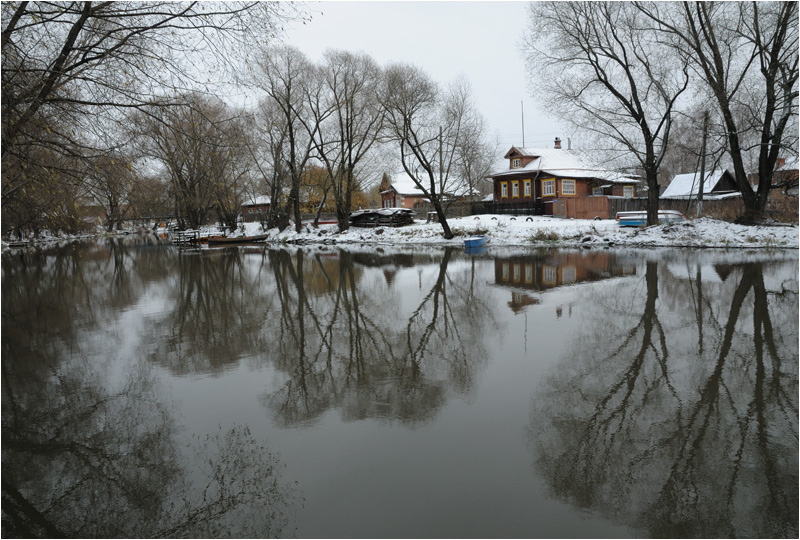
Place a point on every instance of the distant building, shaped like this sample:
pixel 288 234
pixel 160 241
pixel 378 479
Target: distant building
pixel 257 209
pixel 785 176
pixel 718 184
pixel 400 191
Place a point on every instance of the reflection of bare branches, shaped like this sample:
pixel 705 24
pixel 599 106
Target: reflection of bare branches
pixel 216 310
pixel 80 460
pixel 354 354
pixel 716 457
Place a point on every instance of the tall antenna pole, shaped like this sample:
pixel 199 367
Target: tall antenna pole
pixel 522 113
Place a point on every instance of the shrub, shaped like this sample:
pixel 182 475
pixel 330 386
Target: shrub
pixel 543 235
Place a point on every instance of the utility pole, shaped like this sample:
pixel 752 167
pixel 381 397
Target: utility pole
pixel 441 162
pixel 702 166
pixel 522 114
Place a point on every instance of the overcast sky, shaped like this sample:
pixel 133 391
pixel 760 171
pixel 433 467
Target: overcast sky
pixel 477 39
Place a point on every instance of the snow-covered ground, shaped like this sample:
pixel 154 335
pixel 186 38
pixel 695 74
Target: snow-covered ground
pixel 533 231
pixel 546 231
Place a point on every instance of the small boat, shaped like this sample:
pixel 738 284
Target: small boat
pixel 230 240
pixel 475 241
pixel 639 218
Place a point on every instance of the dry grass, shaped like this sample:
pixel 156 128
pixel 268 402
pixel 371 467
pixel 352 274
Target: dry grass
pixel 543 235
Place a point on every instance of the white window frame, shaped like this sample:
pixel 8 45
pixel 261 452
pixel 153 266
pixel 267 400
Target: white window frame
pixel 527 188
pixel 515 163
pixel 515 189
pixel 627 192
pixel 549 187
pixel 568 182
pixel 504 190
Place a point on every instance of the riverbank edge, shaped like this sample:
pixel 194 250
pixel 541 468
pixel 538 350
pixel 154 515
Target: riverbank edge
pixel 695 234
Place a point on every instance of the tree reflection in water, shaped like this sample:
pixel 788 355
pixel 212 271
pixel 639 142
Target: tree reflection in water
pixel 687 425
pixel 90 448
pixel 350 348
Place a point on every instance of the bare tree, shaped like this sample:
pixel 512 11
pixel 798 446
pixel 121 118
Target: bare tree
pixel 266 144
pixel 351 82
pixel 431 128
pixel 199 145
pixel 747 56
pixel 109 183
pixel 71 68
pixel 293 87
pixel 604 72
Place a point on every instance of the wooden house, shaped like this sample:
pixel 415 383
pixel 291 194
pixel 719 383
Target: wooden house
pixel 400 191
pixel 257 209
pixel 785 176
pixel 547 176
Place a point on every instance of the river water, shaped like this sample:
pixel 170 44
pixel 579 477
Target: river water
pixel 391 392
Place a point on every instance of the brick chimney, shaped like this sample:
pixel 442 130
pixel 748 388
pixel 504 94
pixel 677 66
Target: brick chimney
pixel 557 144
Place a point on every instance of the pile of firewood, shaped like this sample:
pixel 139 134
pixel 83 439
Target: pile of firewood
pixel 384 217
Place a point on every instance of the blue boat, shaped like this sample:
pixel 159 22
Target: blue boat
pixel 475 241
pixel 639 218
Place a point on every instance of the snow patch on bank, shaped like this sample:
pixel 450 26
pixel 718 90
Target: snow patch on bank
pixel 538 231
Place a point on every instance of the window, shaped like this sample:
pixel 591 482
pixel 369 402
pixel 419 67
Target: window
pixel 548 187
pixel 528 273
pixel 504 190
pixel 627 191
pixel 549 275
pixel 568 187
pixel 515 189
pixel 597 191
pixel 505 271
pixel 515 163
pixel 250 211
pixel 516 273
pixel 527 188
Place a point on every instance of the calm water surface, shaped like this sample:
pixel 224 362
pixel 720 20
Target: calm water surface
pixel 369 392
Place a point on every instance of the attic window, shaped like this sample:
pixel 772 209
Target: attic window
pixel 515 163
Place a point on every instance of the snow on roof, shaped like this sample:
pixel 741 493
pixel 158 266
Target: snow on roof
pixel 261 199
pixel 790 165
pixel 559 162
pixel 404 185
pixel 687 185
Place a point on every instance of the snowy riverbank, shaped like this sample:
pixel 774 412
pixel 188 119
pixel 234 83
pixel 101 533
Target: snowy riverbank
pixel 538 231
pixel 546 231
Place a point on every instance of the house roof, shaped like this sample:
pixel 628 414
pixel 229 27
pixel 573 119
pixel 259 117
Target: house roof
pixel 404 185
pixel 688 185
pixel 261 199
pixel 559 162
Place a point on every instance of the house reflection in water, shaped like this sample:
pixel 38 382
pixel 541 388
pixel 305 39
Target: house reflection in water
pixel 540 272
